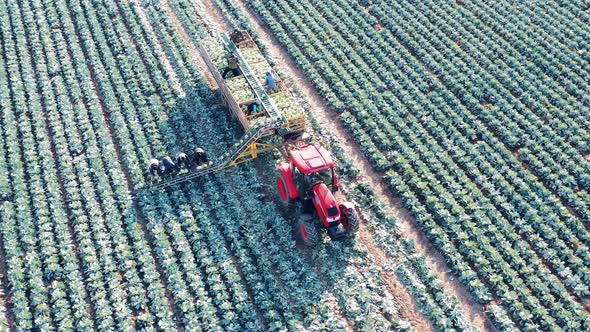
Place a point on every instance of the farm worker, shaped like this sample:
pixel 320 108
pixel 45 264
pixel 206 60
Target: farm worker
pixel 200 157
pixel 254 107
pixel 232 65
pixel 271 83
pixel 237 36
pixel 155 167
pixel 183 160
pixel 169 166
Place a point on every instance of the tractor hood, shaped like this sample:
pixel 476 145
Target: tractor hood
pixel 326 205
pixel 311 159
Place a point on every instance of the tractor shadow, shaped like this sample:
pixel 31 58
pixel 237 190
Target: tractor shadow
pixel 330 260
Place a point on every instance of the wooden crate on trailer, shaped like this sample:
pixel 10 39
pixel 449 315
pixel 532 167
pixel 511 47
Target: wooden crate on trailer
pixel 224 91
pixel 290 122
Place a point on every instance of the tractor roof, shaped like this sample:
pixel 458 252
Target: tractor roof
pixel 311 159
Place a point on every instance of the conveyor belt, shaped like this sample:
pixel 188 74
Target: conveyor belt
pixel 246 150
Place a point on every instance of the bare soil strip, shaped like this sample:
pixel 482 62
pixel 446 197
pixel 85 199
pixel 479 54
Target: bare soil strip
pixel 218 22
pixel 407 224
pixel 408 306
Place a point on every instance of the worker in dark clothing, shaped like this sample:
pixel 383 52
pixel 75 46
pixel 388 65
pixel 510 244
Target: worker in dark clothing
pixel 169 166
pixel 232 65
pixel 155 167
pixel 237 36
pixel 183 161
pixel 200 157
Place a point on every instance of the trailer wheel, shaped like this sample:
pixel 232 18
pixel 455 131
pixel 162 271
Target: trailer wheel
pixel 307 230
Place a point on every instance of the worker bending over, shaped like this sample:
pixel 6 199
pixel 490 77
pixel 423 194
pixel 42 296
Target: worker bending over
pixel 155 167
pixel 199 158
pixel 183 161
pixel 253 106
pixel 168 166
pixel 232 65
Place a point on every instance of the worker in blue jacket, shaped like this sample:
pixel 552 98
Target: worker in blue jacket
pixel 271 83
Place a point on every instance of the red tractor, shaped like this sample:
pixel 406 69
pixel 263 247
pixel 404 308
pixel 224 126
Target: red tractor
pixel 308 181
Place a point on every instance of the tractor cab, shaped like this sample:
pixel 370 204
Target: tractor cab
pixel 311 158
pixel 313 164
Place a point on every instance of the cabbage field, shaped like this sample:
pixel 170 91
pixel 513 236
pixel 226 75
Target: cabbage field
pixel 475 115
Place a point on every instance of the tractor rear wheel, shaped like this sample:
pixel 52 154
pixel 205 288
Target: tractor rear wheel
pixel 307 230
pixel 283 188
pixel 351 222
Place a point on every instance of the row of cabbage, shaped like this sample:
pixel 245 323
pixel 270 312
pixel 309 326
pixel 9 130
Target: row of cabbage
pixel 120 286
pixel 461 149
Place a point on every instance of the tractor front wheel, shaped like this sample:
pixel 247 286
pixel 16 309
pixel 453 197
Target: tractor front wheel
pixel 283 188
pixel 351 220
pixel 307 230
